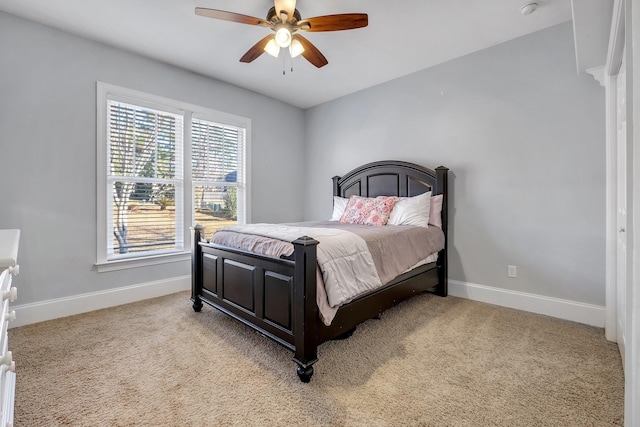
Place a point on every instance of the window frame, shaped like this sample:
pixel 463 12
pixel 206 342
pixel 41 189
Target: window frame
pixel 106 92
pixel 176 181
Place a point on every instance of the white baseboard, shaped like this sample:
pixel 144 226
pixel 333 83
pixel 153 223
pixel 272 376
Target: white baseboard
pixel 589 314
pixel 52 309
pixel 62 307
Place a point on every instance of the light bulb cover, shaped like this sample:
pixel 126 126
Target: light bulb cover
pixel 272 48
pixel 283 37
pixel 295 48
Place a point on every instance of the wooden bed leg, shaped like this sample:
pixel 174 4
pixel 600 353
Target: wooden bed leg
pixel 442 289
pixel 196 272
pixel 305 373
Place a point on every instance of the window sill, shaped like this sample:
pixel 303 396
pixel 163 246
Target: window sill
pixel 123 264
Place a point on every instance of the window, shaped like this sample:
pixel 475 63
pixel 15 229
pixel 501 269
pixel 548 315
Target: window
pixel 144 180
pixel 164 165
pixel 216 153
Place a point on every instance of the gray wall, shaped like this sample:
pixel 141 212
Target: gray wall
pixel 48 151
pixel 523 136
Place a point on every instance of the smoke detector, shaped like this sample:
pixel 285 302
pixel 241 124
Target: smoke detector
pixel 529 8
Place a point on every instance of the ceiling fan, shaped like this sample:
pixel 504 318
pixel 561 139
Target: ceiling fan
pixel 285 20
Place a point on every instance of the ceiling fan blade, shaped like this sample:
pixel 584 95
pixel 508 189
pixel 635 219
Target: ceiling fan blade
pixel 311 53
pixel 256 50
pixel 286 6
pixel 346 21
pixel 230 16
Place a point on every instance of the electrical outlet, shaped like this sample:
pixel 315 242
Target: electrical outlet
pixel 511 271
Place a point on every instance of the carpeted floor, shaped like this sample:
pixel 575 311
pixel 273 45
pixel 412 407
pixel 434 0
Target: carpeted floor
pixel 430 362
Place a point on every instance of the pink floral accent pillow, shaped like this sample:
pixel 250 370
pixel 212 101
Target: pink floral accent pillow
pixel 367 210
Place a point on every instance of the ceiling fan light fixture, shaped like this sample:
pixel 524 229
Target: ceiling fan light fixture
pixel 295 48
pixel 283 37
pixel 272 48
pixel 285 21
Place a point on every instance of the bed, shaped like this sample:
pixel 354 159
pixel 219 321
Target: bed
pixel 277 296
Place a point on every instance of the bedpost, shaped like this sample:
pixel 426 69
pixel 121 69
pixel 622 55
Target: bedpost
pixel 196 266
pixel 442 188
pixel 305 315
pixel 336 186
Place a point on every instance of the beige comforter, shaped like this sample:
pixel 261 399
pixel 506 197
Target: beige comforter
pixel 352 259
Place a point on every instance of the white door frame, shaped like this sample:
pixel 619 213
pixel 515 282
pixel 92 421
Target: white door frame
pixel 614 58
pixel 625 30
pixel 632 354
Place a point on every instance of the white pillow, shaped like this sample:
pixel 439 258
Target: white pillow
pixel 435 213
pixel 339 205
pixel 411 210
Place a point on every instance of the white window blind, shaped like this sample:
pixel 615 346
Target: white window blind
pixel 144 182
pixel 217 154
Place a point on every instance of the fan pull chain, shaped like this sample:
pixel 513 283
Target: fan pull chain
pixel 284 65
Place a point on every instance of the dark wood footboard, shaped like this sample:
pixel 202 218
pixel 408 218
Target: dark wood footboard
pixel 276 297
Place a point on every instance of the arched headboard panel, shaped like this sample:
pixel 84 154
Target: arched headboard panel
pixel 390 178
pixel 394 178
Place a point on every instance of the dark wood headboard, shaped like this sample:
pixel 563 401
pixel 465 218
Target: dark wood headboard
pixel 394 178
pixel 403 179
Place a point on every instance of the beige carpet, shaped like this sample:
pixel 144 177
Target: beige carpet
pixel 430 361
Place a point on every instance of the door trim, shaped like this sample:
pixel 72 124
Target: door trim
pixel 612 67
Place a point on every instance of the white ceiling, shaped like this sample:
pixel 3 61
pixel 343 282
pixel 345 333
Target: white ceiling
pixel 403 36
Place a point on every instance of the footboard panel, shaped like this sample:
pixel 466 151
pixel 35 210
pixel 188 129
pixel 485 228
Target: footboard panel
pixel 257 290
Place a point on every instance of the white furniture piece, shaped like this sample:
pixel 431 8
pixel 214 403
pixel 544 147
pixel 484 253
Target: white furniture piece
pixel 9 240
